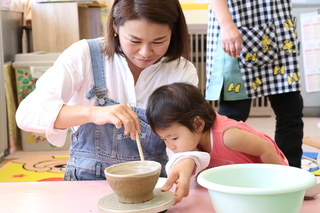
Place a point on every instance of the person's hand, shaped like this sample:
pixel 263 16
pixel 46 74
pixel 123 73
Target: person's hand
pixel 231 40
pixel 118 115
pixel 180 175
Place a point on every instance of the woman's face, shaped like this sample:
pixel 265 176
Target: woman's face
pixel 143 42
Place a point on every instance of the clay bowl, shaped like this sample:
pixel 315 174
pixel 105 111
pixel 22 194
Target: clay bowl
pixel 133 182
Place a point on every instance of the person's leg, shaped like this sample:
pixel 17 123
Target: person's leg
pixel 238 110
pixel 289 125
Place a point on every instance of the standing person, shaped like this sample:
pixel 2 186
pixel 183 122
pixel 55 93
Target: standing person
pixel 190 128
pixel 91 83
pixel 252 51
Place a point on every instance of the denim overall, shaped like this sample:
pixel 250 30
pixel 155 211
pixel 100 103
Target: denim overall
pixel 95 147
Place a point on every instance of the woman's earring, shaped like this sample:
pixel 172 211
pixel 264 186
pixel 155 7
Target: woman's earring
pixel 115 34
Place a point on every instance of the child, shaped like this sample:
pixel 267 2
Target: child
pixel 179 114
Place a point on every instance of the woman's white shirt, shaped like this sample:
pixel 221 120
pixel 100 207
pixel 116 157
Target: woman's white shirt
pixel 71 77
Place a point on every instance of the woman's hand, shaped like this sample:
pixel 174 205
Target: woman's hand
pixel 180 175
pixel 231 39
pixel 118 115
pixel 230 35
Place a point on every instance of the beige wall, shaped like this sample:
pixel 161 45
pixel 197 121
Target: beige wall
pixel 192 16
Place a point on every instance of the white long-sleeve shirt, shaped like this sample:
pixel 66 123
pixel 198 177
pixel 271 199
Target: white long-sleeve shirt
pixel 201 160
pixel 71 77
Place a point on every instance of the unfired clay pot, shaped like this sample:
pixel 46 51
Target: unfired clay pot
pixel 133 182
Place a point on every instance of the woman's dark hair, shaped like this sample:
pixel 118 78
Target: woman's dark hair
pixel 166 12
pixel 178 103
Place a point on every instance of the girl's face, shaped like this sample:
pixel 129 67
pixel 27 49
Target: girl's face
pixel 179 138
pixel 143 42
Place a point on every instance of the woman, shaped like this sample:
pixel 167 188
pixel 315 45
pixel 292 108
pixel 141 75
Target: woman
pixel 252 51
pixel 91 83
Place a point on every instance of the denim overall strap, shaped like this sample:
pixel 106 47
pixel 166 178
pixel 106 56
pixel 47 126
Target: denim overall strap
pixel 97 60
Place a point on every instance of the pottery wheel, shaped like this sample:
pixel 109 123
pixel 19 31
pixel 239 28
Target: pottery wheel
pixel 160 202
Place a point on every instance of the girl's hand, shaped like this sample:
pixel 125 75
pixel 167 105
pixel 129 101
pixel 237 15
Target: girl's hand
pixel 180 175
pixel 118 115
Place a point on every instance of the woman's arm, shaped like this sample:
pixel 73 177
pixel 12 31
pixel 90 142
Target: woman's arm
pixel 230 35
pixel 59 101
pixel 242 141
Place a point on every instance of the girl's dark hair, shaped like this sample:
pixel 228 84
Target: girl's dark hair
pixel 178 103
pixel 166 12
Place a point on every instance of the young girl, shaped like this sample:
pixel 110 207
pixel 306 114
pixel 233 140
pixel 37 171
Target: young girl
pixel 89 86
pixel 179 114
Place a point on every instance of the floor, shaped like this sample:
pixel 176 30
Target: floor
pixel 264 124
pixel 267 125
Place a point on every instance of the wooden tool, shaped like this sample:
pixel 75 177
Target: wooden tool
pixel 138 142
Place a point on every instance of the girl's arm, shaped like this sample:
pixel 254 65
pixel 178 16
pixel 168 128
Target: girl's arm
pixel 181 167
pixel 242 141
pixel 230 36
pixel 180 175
pixel 201 160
